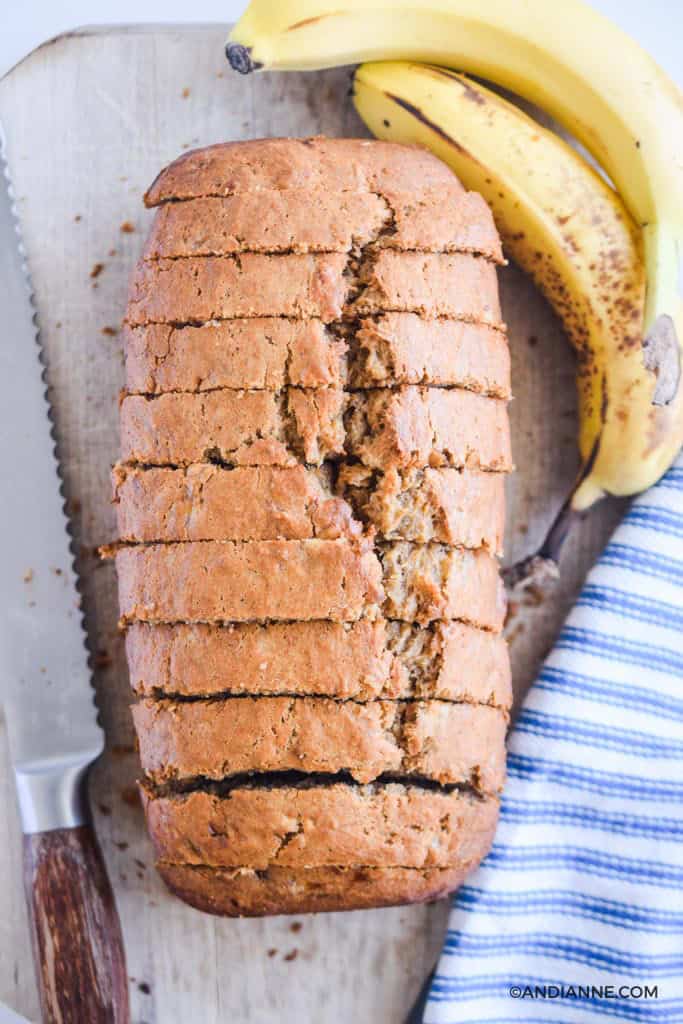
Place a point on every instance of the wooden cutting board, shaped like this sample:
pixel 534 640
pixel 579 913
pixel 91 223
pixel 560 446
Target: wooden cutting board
pixel 90 118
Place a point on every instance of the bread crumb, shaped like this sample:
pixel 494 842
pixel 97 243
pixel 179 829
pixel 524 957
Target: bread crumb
pixel 185 93
pixel 28 575
pixel 295 927
pixel 292 955
pixel 127 228
pixel 144 988
pixel 272 952
pixel 78 218
pixel 97 269
pixel 110 332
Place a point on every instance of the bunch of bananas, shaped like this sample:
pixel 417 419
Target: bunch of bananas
pixel 609 259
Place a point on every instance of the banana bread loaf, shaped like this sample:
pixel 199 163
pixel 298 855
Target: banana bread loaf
pixel 310 504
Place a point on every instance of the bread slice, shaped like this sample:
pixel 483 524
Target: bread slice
pixel 441 220
pixel 341 580
pixel 275 352
pixel 294 221
pixel 203 288
pixel 410 426
pixel 216 739
pixel 363 660
pixel 246 892
pixel 336 824
pixel 426 582
pixel 404 348
pixel 223 581
pixel 235 427
pixel 261 352
pixel 462 507
pixel 205 502
pixel 317 220
pixel 456 285
pixel 418 426
pixel 335 165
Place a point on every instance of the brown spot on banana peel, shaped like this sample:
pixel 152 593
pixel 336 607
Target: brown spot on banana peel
pixel 469 91
pixel 311 21
pixel 662 356
pixel 419 115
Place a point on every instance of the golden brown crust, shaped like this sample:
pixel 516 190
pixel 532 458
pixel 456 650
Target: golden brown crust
pixel 223 581
pixel 462 507
pixel 408 426
pixel 404 348
pixel 206 502
pixel 441 220
pixel 214 739
pixel 337 165
pixel 275 352
pixel 318 826
pixel 427 582
pixel 313 614
pixel 236 427
pixel 361 660
pixel 418 426
pixel 204 288
pixel 200 288
pixel 341 580
pixel 454 285
pixel 295 221
pixel 244 892
pixel 261 352
pixel 317 220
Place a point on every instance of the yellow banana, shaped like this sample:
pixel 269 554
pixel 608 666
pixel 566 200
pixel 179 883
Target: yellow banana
pixel 565 227
pixel 570 61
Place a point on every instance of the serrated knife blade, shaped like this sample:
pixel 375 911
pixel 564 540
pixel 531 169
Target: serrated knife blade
pixel 45 681
pixel 44 673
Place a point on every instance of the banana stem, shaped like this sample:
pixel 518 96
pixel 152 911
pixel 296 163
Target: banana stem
pixel 543 566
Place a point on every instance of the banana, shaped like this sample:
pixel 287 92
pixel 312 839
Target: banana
pixel 562 224
pixel 576 65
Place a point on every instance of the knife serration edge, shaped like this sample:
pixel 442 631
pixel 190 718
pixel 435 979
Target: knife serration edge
pixel 48 779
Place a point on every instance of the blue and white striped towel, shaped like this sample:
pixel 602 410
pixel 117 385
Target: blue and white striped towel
pixel 584 884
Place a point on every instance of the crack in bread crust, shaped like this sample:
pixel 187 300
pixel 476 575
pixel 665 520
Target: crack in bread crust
pixel 280 222
pixel 464 508
pixel 271 353
pixel 342 580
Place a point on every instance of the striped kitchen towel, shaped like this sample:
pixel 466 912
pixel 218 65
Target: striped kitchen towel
pixel 576 915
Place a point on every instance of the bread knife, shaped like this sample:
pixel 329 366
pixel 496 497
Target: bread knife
pixel 45 680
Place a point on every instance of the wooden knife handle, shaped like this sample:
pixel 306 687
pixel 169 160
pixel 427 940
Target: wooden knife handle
pixel 77 940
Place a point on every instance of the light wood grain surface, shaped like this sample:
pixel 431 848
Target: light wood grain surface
pixel 90 119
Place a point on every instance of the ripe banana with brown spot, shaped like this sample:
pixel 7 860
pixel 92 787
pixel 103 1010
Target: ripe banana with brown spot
pixel 569 230
pixel 603 88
